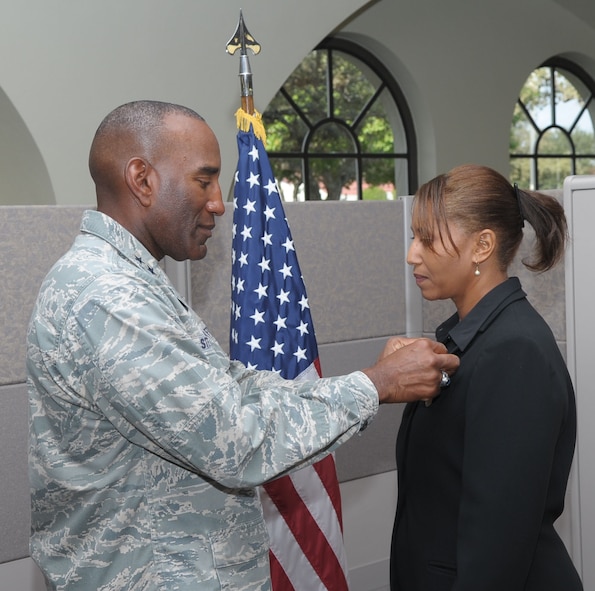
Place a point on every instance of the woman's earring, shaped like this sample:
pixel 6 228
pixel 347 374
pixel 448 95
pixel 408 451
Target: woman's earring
pixel 477 272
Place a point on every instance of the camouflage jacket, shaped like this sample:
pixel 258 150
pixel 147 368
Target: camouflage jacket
pixel 146 441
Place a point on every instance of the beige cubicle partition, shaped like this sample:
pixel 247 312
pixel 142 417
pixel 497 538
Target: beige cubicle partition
pixel 579 203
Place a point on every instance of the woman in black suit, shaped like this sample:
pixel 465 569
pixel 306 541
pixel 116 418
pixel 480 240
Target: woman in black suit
pixel 483 468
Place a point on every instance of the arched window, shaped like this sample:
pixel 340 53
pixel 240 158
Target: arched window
pixel 552 134
pixel 339 129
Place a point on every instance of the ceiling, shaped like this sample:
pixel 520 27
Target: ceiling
pixel 583 9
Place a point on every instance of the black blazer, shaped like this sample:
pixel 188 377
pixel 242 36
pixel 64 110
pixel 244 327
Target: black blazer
pixel 482 471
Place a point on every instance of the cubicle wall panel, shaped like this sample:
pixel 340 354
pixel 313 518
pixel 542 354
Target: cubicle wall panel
pixel 211 281
pixel 580 285
pixel 352 259
pixel 546 291
pixel 372 451
pixel 14 483
pixel 353 262
pixel 31 239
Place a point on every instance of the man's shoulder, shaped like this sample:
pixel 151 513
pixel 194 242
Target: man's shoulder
pixel 89 265
pixel 87 258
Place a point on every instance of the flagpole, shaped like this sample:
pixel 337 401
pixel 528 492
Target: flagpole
pixel 302 511
pixel 243 40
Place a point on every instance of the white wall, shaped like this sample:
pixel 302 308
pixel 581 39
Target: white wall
pixel 368 512
pixel 462 65
pixel 66 63
pixel 21 575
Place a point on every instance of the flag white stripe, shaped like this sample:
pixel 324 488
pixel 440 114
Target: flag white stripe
pixel 292 559
pixel 314 495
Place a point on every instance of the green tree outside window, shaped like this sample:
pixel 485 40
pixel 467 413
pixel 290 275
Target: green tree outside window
pixel 552 133
pixel 340 129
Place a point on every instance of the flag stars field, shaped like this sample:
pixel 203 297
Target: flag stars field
pixel 266 280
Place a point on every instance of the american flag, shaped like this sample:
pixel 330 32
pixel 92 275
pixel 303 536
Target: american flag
pixel 271 329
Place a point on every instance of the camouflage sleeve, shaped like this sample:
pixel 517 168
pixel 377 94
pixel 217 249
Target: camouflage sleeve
pixel 153 370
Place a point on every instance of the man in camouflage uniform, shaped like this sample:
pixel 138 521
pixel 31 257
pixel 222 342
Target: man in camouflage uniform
pixel 146 440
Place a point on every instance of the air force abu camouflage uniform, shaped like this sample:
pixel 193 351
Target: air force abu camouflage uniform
pixel 146 441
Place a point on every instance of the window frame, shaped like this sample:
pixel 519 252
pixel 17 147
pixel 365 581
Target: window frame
pixel 387 82
pixel 563 65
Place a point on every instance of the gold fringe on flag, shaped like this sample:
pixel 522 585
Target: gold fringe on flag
pixel 244 120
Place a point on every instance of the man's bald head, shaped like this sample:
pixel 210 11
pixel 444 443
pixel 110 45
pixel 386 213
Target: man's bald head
pixel 133 129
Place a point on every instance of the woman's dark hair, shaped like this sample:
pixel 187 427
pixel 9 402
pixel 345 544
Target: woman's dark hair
pixel 475 198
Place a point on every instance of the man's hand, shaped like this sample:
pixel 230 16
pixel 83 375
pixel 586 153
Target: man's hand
pixel 410 369
pixel 394 344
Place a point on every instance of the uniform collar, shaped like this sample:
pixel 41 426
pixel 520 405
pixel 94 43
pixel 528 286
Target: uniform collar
pixel 457 335
pixel 106 228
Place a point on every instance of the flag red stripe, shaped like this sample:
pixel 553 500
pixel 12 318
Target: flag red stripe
pixel 301 523
pixel 279 579
pixel 328 476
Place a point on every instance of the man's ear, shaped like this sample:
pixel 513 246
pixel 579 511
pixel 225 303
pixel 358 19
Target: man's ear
pixel 139 178
pixel 485 246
